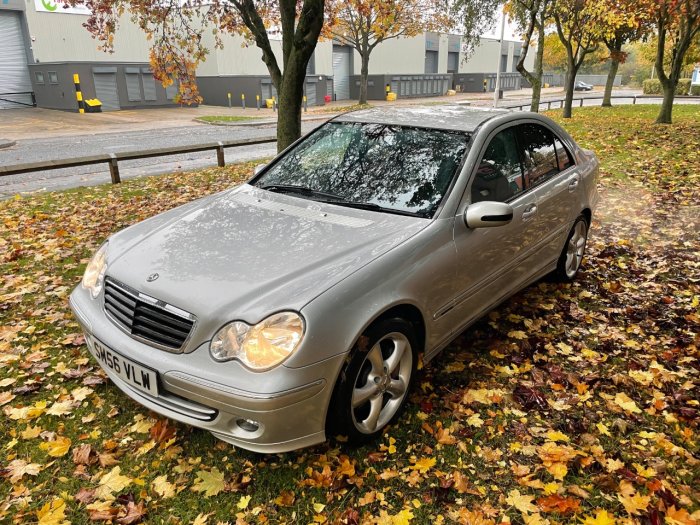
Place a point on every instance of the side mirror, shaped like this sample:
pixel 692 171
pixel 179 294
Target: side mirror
pixel 259 168
pixel 488 214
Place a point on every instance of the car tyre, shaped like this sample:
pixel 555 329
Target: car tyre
pixel 373 386
pixel 571 256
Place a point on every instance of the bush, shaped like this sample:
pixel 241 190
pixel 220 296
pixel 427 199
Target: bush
pixel 652 86
pixel 695 90
pixel 683 87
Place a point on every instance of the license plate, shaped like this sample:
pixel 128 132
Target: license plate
pixel 134 374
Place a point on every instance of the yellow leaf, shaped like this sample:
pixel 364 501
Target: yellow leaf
pixel 18 468
pixel 475 421
pixel 163 487
pixel 603 429
pixel 631 499
pixel 112 482
pixel 555 435
pixel 628 405
pixel 318 508
pixel 61 408
pixel 57 447
pixel 202 519
pixel 211 483
pixel 517 334
pixel 558 470
pixel 423 465
pixel 522 502
pixel 243 502
pixel 53 513
pixel 31 432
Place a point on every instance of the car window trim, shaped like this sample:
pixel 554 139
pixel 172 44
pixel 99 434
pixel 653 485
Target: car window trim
pixel 468 135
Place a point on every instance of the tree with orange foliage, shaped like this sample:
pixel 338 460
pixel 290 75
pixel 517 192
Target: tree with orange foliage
pixel 629 21
pixel 364 24
pixel 176 29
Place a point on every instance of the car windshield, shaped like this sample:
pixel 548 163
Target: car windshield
pixel 382 167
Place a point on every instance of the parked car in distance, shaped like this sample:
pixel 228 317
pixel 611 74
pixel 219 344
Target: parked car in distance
pixel 295 307
pixel 582 86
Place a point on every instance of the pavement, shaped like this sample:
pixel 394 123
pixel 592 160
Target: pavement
pixel 42 134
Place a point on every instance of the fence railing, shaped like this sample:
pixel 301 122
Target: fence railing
pixel 23 93
pixel 580 100
pixel 112 159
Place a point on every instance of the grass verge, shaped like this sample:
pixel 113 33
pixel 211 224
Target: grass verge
pixel 568 403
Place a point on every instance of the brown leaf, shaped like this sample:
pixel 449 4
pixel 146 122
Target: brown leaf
pixel 558 504
pixel 162 431
pixel 84 455
pixel 85 496
pixel 134 513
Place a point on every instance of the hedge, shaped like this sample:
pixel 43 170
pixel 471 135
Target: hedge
pixel 652 86
pixel 695 90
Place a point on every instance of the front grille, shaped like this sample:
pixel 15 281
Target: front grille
pixel 146 318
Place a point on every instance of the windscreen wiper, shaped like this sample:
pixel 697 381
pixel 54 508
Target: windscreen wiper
pixel 301 190
pixel 374 207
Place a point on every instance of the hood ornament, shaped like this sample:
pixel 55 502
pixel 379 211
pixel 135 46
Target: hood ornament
pixel 152 277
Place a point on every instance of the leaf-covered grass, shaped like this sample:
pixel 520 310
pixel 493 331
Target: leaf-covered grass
pixel 213 119
pixel 567 404
pixel 340 109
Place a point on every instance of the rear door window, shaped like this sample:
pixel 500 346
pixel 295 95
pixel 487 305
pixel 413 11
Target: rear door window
pixel 539 156
pixel 563 155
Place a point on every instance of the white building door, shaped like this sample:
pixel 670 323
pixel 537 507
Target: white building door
pixel 14 73
pixel 342 61
pixel 106 90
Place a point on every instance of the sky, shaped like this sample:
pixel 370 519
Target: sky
pixel 510 33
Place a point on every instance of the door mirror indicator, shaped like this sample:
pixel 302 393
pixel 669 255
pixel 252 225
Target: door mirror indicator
pixel 488 214
pixel 259 168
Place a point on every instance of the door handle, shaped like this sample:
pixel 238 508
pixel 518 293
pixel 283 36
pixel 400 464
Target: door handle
pixel 530 212
pixel 574 183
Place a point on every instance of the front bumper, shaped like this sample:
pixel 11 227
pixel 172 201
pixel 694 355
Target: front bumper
pixel 289 406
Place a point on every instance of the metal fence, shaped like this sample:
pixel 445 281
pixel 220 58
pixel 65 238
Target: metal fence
pixel 580 100
pixel 112 159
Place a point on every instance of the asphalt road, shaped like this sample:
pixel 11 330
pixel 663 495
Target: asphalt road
pixel 34 150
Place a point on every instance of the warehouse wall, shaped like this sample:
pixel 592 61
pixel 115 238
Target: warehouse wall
pixel 60 37
pixel 395 56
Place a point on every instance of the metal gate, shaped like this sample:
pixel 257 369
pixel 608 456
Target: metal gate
pixel 15 85
pixel 342 60
pixel 106 89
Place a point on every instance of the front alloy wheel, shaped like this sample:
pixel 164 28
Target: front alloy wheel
pixel 382 383
pixel 373 385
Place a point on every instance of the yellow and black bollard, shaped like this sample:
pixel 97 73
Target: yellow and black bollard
pixel 257 101
pixel 78 93
pixel 486 83
pixel 306 107
pixel 243 100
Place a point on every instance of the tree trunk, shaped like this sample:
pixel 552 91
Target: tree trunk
pixel 570 82
pixel 665 114
pixel 614 64
pixel 364 73
pixel 291 92
pixel 537 85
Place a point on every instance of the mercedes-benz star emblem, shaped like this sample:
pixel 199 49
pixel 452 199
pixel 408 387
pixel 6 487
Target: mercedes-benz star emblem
pixel 152 277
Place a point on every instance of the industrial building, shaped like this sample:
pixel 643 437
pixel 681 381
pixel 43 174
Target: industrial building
pixel 44 45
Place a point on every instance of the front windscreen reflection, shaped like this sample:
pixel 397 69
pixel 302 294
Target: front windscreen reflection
pixel 397 167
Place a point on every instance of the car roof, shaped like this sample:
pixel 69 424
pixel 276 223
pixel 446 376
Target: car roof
pixel 455 117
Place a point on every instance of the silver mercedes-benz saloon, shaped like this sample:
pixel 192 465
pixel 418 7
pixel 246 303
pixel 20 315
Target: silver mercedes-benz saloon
pixel 296 306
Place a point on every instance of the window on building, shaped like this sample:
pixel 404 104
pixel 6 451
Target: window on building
pixel 53 77
pixel 431 61
pixel 39 77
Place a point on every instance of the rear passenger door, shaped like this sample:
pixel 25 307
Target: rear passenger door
pixel 550 175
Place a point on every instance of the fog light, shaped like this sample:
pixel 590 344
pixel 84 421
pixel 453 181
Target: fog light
pixel 248 424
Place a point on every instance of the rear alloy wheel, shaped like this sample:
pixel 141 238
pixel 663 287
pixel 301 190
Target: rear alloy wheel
pixel 372 388
pixel 571 257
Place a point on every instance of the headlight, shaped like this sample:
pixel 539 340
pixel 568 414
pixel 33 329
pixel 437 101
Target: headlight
pixel 262 346
pixel 95 271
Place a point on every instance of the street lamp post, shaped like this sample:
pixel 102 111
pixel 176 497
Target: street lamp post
pixel 498 62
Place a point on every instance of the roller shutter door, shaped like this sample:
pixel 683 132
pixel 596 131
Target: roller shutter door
pixel 342 57
pixel 149 85
pixel 14 74
pixel 106 90
pixel 311 93
pixel 133 86
pixel 431 61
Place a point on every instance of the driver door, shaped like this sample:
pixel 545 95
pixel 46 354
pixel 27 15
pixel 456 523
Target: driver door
pixel 493 262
